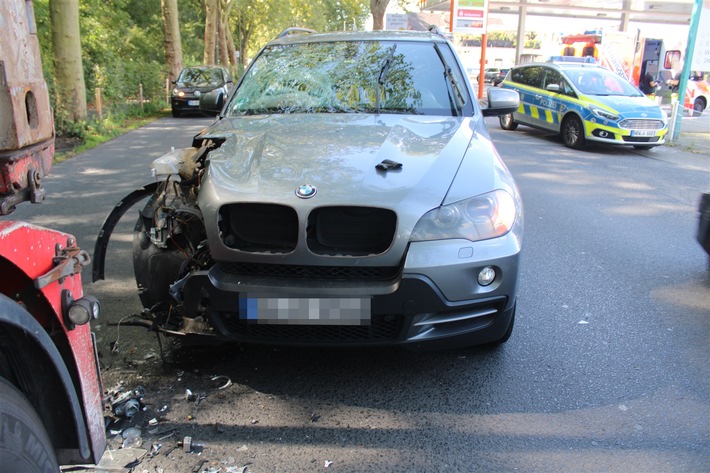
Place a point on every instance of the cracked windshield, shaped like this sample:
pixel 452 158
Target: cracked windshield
pixel 368 77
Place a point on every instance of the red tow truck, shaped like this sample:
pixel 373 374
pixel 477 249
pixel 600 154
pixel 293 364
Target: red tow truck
pixel 51 396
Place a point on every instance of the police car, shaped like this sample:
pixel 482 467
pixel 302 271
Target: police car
pixel 584 102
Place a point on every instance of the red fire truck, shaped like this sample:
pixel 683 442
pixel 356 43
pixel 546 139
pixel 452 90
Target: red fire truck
pixel 51 407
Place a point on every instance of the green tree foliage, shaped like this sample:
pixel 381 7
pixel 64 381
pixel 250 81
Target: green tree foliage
pixel 255 22
pixel 123 45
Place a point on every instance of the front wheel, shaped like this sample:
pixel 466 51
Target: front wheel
pixel 573 132
pixel 24 444
pixel 698 107
pixel 507 122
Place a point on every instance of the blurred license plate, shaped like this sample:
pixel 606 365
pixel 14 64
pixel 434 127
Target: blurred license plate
pixel 643 132
pixel 193 103
pixel 304 310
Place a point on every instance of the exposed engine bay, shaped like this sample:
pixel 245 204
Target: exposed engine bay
pixel 169 240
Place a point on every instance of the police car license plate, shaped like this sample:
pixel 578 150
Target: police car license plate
pixel 193 103
pixel 643 132
pixel 275 309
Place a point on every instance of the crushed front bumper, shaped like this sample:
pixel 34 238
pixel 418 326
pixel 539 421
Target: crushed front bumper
pixel 408 309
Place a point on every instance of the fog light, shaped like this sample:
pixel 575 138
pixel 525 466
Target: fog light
pixel 486 276
pixel 81 311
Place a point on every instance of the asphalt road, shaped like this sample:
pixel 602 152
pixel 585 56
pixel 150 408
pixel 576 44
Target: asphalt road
pixel 607 368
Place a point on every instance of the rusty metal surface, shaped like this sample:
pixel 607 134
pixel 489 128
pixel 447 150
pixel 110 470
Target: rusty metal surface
pixel 25 114
pixel 26 121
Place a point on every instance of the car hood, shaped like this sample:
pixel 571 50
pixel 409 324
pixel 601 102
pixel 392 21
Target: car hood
pixel 630 107
pixel 266 158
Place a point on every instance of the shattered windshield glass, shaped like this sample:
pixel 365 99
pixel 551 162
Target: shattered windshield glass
pixel 200 77
pixel 345 77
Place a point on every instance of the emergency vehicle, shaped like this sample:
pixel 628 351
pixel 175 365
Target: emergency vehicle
pixel 632 56
pixel 584 102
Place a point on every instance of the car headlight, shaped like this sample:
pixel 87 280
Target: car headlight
pixel 478 218
pixel 604 114
pixel 178 93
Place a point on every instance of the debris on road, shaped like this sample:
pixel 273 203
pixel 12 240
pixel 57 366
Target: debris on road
pixel 126 404
pixel 221 382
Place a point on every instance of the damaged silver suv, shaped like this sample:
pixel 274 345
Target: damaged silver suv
pixel 348 194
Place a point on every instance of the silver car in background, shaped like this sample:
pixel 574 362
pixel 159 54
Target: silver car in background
pixel 347 194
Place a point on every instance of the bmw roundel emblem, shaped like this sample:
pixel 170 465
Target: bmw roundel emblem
pixel 306 191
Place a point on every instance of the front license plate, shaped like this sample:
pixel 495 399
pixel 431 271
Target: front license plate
pixel 643 132
pixel 268 309
pixel 193 103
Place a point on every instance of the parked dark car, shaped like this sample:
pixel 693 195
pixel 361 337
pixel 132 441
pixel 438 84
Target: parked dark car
pixel 194 82
pixel 489 74
pixel 500 77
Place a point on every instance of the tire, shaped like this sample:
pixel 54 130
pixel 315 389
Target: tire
pixel 24 444
pixel 573 132
pixel 507 122
pixel 176 113
pixel 698 107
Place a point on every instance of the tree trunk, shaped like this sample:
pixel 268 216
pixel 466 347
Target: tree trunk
pixel 173 44
pixel 245 34
pixel 70 88
pixel 223 49
pixel 377 8
pixel 211 19
pixel 231 49
pixel 226 47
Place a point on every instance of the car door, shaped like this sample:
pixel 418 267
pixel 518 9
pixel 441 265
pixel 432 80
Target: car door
pixel 531 79
pixel 550 101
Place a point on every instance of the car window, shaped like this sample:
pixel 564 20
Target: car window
pixel 532 76
pixel 347 76
pixel 201 77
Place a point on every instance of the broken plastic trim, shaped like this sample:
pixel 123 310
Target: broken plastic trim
pixel 110 224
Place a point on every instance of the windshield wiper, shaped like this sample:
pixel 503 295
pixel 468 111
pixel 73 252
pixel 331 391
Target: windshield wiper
pixel 456 99
pixel 383 75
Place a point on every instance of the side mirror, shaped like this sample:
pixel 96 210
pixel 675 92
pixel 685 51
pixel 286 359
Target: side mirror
pixel 501 102
pixel 212 102
pixel 553 88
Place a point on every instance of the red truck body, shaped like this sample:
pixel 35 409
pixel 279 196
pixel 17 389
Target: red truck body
pixel 51 396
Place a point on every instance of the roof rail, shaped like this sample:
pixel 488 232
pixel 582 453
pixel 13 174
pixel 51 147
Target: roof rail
pixel 434 29
pixel 294 30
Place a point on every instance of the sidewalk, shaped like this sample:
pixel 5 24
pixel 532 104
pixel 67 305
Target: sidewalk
pixel 694 135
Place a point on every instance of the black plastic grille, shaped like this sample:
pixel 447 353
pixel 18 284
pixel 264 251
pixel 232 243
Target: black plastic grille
pixel 350 230
pixel 360 273
pixel 259 227
pixel 640 139
pixel 381 329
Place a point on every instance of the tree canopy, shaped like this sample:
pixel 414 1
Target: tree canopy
pixel 123 42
